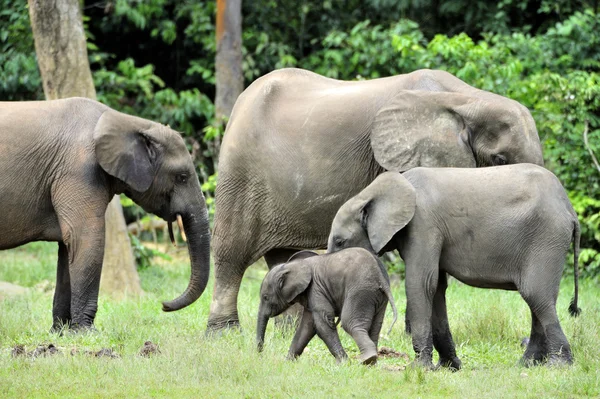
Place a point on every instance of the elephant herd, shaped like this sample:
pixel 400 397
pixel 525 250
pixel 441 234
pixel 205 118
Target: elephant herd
pixel 309 162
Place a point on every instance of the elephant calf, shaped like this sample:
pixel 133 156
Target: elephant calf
pixel 351 285
pixel 506 227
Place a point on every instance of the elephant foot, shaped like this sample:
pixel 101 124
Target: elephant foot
pixel 560 360
pixel 453 364
pixel 368 359
pixel 215 329
pixel 423 361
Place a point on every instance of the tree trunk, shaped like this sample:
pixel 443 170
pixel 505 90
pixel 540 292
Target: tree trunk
pixel 228 62
pixel 61 52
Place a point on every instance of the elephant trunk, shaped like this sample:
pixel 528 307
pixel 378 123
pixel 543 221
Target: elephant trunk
pixel 261 328
pixel 198 237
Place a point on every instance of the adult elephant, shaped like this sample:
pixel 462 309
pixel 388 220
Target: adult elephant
pixel 62 161
pixel 298 145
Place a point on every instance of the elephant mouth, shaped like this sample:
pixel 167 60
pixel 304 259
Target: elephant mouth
pixel 181 229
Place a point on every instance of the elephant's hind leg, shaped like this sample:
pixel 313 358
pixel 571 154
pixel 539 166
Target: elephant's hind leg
pixel 360 321
pixel 61 307
pixel 537 349
pixel 540 290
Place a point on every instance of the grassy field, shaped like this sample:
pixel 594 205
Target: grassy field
pixel 488 327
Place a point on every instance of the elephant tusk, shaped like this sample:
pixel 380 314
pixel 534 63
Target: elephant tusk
pixel 171 235
pixel 181 229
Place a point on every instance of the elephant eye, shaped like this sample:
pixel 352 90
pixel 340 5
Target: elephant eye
pixel 181 178
pixel 265 298
pixel 339 242
pixel 499 159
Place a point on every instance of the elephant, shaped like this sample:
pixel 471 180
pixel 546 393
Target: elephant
pixel 298 145
pixel 61 163
pixel 505 227
pixel 351 284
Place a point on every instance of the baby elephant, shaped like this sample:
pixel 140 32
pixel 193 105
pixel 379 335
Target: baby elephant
pixel 506 227
pixel 351 285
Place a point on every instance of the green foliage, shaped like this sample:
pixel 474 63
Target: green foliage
pixel 143 254
pixel 19 76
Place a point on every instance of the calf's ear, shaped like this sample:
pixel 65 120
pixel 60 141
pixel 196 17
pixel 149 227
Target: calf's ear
pixel 389 204
pixel 295 280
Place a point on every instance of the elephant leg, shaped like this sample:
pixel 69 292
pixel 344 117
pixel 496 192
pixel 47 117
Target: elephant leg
pixel 86 251
pixel 421 284
pixel 305 332
pixel 232 257
pixel 543 306
pixel 358 321
pixel 61 307
pixel 375 328
pixel 537 349
pixel 325 326
pixel 292 315
pixel 442 338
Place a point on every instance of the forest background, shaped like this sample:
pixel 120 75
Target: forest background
pixel 156 59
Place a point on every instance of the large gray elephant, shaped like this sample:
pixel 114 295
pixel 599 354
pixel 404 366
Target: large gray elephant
pixel 62 161
pixel 298 145
pixel 351 285
pixel 506 227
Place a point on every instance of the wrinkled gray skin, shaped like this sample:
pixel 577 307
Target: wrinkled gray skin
pixel 351 284
pixel 62 161
pixel 298 145
pixel 506 227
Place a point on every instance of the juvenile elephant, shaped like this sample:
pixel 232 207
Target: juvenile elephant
pixel 62 161
pixel 506 227
pixel 298 145
pixel 351 285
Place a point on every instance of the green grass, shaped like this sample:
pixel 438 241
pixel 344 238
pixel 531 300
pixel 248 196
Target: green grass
pixel 488 326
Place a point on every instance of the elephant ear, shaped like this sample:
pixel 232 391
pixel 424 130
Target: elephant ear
pixel 296 278
pixel 125 149
pixel 389 204
pixel 419 128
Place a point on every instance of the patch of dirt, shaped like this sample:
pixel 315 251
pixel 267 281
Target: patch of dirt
pixel 18 350
pixel 149 349
pixel 386 352
pixel 106 352
pixel 40 351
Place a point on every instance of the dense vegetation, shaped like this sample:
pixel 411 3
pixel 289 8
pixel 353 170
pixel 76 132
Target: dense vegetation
pixel 156 59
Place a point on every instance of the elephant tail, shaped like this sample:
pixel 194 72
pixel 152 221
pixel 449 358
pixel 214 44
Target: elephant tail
pixel 388 292
pixel 574 310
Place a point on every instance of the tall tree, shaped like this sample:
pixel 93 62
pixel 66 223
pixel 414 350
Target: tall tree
pixel 61 51
pixel 228 61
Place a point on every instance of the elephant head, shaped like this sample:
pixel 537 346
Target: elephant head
pixel 371 218
pixel 150 163
pixel 453 129
pixel 280 289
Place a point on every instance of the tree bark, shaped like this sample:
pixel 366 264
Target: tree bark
pixel 228 62
pixel 61 50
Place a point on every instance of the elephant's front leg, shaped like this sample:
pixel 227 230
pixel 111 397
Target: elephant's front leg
pixel 325 326
pixel 83 234
pixel 442 338
pixel 305 332
pixel 61 307
pixel 421 284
